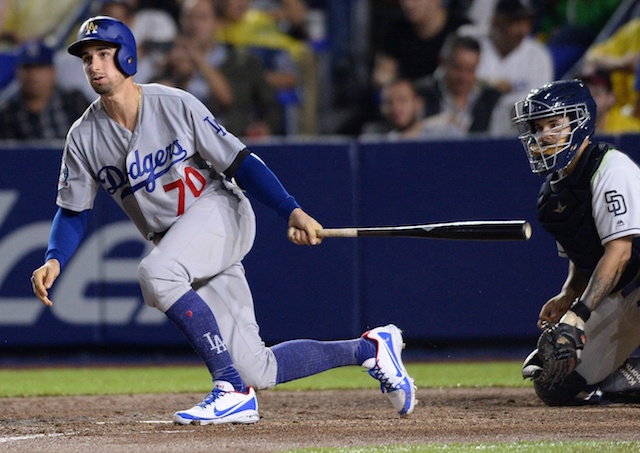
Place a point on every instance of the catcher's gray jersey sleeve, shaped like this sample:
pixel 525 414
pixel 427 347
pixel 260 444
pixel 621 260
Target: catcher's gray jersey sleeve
pixel 615 189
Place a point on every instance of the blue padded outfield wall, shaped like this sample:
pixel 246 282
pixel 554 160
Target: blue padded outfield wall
pixel 435 290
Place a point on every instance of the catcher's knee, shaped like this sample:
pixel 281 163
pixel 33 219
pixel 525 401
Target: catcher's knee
pixel 564 394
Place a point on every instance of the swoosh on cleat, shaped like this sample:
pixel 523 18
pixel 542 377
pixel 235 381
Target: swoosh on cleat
pixel 233 408
pixel 389 344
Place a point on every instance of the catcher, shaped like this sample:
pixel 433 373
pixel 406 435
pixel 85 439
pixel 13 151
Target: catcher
pixel 589 203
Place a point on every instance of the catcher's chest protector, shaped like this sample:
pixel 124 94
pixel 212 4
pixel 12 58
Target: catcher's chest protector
pixel 564 210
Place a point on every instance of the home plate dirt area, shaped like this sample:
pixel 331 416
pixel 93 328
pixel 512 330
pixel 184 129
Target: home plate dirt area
pixel 297 419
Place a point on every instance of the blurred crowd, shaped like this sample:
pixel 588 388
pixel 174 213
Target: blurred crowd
pixel 402 69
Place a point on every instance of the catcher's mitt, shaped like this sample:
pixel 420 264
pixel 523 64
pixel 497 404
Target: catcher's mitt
pixel 559 350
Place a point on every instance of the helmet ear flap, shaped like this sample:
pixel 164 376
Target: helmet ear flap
pixel 126 60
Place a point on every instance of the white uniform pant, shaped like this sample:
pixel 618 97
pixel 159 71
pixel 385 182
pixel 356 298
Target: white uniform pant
pixel 612 333
pixel 203 250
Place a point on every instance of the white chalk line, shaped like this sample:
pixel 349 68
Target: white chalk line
pixel 7 439
pixel 148 422
pixel 27 437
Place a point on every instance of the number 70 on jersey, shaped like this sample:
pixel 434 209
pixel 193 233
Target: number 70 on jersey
pixel 193 181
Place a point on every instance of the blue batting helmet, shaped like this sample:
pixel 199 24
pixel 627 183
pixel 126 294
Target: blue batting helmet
pixel 108 29
pixel 572 103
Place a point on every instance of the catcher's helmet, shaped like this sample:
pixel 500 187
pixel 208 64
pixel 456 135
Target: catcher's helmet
pixel 108 29
pixel 572 101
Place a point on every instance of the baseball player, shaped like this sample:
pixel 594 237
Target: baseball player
pixel 178 173
pixel 588 203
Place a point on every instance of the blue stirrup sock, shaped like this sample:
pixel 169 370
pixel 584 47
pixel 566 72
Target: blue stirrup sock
pixel 300 358
pixel 195 320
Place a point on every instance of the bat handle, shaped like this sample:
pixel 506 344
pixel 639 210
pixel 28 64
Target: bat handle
pixel 337 233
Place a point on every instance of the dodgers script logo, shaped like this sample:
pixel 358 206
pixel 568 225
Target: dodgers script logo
pixel 112 179
pixel 143 169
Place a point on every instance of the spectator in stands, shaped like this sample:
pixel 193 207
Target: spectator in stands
pixel 619 55
pixel 569 27
pixel 290 15
pixel 454 93
pixel 171 7
pixel 402 110
pixel 289 63
pixel 608 121
pixel 155 25
pixel 512 60
pixel 480 13
pixel 40 109
pixel 258 31
pixel 31 20
pixel 229 81
pixel 411 46
pixel 636 88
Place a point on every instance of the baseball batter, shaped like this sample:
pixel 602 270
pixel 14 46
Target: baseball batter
pixel 588 202
pixel 178 173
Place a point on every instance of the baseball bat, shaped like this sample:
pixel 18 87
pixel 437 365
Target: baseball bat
pixel 476 230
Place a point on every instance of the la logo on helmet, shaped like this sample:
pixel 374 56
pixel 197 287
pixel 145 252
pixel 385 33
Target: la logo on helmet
pixel 92 29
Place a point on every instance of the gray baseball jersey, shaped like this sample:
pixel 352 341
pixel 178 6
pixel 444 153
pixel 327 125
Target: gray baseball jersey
pixel 154 177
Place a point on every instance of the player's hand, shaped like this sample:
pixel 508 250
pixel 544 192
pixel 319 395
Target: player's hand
pixel 42 280
pixel 553 310
pixel 303 228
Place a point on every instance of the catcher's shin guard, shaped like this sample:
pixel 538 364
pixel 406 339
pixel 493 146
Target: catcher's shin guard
pixel 623 385
pixel 563 394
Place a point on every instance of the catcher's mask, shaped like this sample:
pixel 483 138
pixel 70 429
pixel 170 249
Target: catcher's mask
pixel 110 30
pixel 571 102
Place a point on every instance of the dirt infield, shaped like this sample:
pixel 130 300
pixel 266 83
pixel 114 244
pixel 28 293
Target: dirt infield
pixel 291 420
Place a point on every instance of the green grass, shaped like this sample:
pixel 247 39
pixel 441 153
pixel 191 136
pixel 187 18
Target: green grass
pixel 467 374
pixel 169 379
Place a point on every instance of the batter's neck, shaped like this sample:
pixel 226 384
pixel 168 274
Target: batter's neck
pixel 124 106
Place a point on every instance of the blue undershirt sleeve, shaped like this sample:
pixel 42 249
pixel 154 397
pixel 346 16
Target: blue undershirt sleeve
pixel 257 179
pixel 67 230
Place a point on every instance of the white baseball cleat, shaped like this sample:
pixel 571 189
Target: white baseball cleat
pixel 387 367
pixel 223 405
